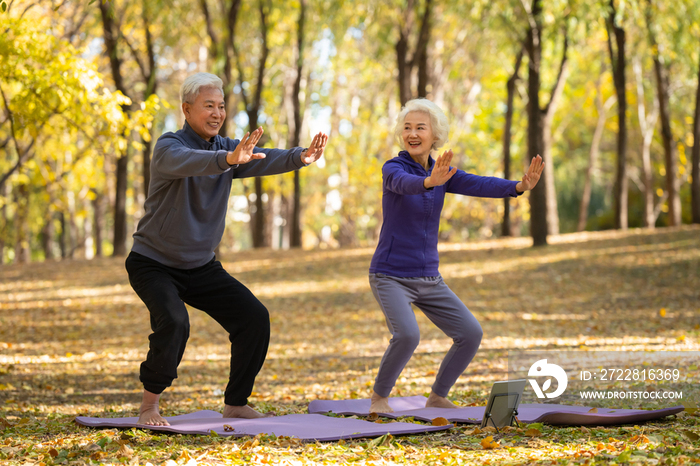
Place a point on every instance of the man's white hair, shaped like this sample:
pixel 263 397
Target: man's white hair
pixel 192 85
pixel 438 121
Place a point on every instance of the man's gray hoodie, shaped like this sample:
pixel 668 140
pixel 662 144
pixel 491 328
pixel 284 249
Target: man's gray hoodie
pixel 188 195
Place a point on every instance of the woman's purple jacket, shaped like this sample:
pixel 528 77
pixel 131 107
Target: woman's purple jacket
pixel 408 240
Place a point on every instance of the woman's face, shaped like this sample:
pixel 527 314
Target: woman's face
pixel 417 134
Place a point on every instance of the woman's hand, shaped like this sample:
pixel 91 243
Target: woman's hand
pixel 441 171
pixel 532 176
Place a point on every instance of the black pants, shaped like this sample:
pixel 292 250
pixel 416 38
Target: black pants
pixel 165 290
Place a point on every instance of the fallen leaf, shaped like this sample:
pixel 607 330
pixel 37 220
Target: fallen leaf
pixel 489 444
pixel 125 451
pixel 593 410
pixel 228 428
pixel 440 421
pixel 533 433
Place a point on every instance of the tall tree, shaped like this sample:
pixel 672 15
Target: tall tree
pixel 147 68
pixel 253 106
pixel 616 49
pixel 547 138
pixel 507 132
pixel 539 118
pixel 222 50
pixel 661 72
pixel 695 170
pixel 603 108
pixel 295 240
pixel 647 123
pixel 408 60
pixel 110 36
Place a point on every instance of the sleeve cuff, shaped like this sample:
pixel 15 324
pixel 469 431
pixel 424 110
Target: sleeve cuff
pixel 296 157
pixel 221 160
pixel 515 190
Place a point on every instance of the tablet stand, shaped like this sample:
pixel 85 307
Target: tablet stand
pixel 510 413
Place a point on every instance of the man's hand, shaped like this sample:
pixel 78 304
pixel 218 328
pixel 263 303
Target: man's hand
pixel 441 171
pixel 244 150
pixel 532 176
pixel 315 150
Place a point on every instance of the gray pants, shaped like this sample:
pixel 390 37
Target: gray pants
pixel 432 296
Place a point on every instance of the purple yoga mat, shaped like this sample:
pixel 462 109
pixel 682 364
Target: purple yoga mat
pixel 559 415
pixel 301 426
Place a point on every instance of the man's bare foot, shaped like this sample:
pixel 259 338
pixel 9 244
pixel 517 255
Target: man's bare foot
pixel 243 412
pixel 437 401
pixel 380 404
pixel 148 413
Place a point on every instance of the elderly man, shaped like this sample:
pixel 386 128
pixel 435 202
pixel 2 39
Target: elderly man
pixel 172 261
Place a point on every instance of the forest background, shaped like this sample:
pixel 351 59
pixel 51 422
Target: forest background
pixel 607 91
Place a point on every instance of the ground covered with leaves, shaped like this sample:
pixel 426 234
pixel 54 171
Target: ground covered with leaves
pixel 73 333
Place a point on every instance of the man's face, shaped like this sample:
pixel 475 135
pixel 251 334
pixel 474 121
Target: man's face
pixel 207 113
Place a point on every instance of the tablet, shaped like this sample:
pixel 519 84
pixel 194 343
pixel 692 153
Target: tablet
pixel 503 403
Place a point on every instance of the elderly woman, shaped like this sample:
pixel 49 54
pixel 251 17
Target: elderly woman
pixel 404 268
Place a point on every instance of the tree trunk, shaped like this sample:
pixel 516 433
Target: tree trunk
pixel 535 143
pixel 646 125
pixel 403 65
pixel 88 238
pixel 120 232
pixel 695 170
pixel 510 87
pixel 22 251
pixel 418 58
pixel 223 50
pixel 72 227
pixel 261 238
pixel 48 230
pixel 593 156
pixel 149 77
pixel 617 58
pixel 259 216
pixel 670 152
pixel 110 36
pixel 4 192
pixel 547 121
pixel 62 236
pixel 97 207
pixel 295 240
pixel 422 51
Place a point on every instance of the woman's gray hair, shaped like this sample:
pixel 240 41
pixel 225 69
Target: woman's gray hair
pixel 438 121
pixel 190 88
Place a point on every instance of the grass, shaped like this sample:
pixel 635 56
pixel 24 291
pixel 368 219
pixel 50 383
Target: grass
pixel 73 333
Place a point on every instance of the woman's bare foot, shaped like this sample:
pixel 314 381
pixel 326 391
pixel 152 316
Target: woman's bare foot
pixel 437 401
pixel 380 404
pixel 243 412
pixel 148 413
